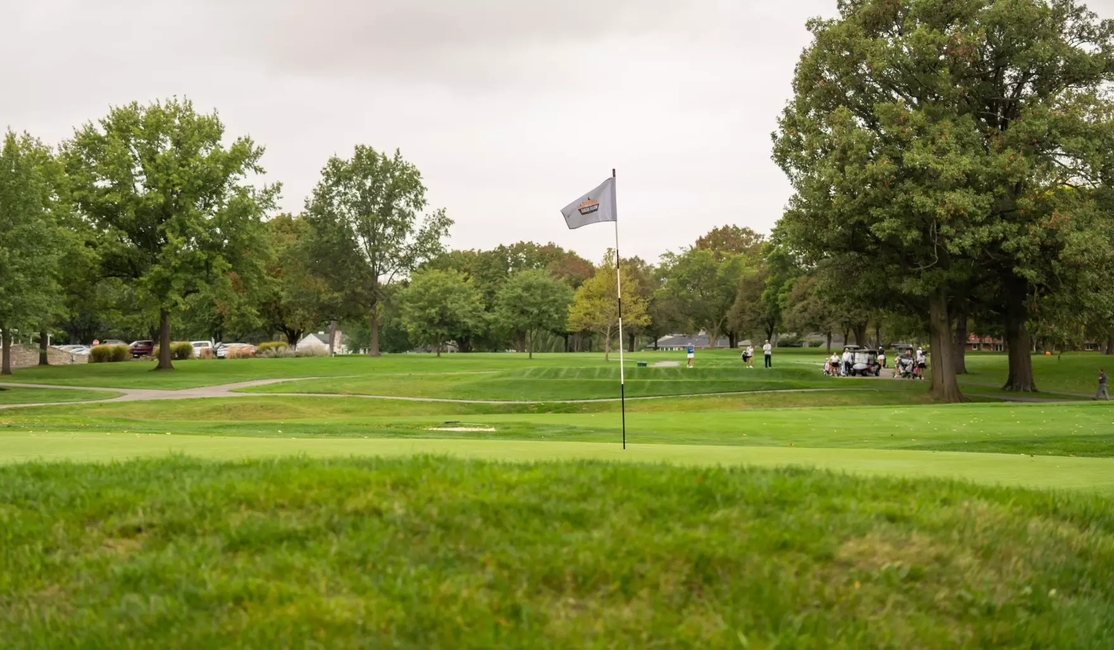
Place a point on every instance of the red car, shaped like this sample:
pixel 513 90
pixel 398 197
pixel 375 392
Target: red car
pixel 141 348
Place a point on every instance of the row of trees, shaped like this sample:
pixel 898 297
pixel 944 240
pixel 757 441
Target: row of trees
pixel 150 221
pixel 950 161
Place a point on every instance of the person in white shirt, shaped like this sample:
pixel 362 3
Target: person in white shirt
pixel 845 367
pixel 882 357
pixel 768 351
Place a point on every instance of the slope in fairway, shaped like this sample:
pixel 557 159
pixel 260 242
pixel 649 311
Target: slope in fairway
pixel 427 553
pixel 32 395
pixel 1091 474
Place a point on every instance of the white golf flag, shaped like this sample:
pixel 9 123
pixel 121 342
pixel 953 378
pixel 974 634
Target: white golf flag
pixel 596 206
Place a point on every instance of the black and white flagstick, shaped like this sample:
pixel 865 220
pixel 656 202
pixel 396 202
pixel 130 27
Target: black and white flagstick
pixel 619 295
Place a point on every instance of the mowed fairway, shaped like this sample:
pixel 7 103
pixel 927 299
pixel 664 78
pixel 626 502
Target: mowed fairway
pixel 485 501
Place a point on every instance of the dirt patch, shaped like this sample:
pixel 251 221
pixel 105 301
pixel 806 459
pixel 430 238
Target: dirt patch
pixel 461 429
pixel 666 364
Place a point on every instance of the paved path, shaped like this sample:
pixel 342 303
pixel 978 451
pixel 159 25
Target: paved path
pixel 226 390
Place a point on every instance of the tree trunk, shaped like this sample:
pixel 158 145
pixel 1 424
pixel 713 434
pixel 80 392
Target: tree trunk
pixel 607 345
pixel 846 335
pixel 732 340
pixel 860 334
pixel 529 346
pixel 566 335
pixel 1109 345
pixel 44 348
pixel 633 341
pixel 164 341
pixel 292 337
pixel 374 351
pixel 877 335
pixel 945 386
pixel 961 343
pixel 332 337
pixel 6 353
pixel 1018 342
pixel 829 334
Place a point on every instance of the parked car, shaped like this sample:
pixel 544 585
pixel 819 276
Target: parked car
pixel 74 349
pixel 198 346
pixel 223 348
pixel 113 342
pixel 141 348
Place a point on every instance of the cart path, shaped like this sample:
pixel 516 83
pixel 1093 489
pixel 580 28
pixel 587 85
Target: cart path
pixel 228 390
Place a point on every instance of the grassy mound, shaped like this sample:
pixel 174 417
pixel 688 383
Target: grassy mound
pixel 436 553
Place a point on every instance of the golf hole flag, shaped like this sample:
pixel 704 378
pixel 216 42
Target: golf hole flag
pixel 596 206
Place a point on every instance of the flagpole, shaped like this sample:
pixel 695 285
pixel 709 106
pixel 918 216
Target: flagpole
pixel 619 295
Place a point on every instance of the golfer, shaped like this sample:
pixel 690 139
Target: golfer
pixel 882 356
pixel 692 355
pixel 768 351
pixel 750 356
pixel 1102 386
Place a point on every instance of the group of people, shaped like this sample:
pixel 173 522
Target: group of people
pixel 767 352
pixel 909 364
pixel 747 356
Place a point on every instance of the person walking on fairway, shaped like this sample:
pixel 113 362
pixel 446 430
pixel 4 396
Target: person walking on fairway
pixel 768 351
pixel 1102 387
pixel 750 356
pixel 691 354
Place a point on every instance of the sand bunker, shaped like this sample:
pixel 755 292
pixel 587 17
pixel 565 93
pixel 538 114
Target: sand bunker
pixel 666 364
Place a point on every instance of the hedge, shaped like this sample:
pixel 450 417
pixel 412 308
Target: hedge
pixel 270 345
pixel 179 351
pixel 108 353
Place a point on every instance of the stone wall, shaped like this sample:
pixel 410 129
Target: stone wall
pixel 24 357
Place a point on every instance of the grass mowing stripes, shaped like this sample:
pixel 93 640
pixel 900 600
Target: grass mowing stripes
pixel 428 553
pixel 1095 475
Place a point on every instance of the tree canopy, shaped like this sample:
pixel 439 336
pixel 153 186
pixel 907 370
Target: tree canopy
pixel 368 228
pixel 171 204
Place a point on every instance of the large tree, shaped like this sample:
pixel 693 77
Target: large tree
pixel 439 307
pixel 732 240
pixel 922 140
pixel 705 284
pixel 595 307
pixel 30 243
pixel 365 215
pixel 533 302
pixel 296 299
pixel 172 204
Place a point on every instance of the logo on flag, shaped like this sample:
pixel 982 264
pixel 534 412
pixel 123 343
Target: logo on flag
pixel 588 207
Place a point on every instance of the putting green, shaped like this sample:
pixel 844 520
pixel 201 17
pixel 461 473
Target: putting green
pixel 1058 472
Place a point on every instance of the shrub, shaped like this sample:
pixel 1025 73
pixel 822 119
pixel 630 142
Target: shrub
pixel 206 353
pixel 239 353
pixel 181 350
pixel 312 352
pixel 108 353
pixel 280 352
pixel 269 345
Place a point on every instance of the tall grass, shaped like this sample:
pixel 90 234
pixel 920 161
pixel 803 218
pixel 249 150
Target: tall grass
pixel 429 553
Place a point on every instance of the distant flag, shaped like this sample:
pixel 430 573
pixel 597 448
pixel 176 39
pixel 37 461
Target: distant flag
pixel 596 206
pixel 599 206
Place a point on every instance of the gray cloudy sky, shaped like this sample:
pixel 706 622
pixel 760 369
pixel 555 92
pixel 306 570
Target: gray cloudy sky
pixel 510 108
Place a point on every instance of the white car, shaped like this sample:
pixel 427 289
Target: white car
pixel 198 346
pixel 75 349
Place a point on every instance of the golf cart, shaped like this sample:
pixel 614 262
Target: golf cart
pixel 864 362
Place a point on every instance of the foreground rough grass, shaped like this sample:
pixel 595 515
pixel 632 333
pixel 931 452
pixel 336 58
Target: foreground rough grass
pixel 428 553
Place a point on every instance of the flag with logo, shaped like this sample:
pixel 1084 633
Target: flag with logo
pixel 596 206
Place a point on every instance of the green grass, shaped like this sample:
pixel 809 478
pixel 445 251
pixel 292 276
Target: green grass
pixel 31 395
pixel 429 553
pixel 1039 429
pixel 1018 470
pixel 1075 372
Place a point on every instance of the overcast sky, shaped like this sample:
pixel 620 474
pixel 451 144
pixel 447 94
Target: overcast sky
pixel 510 108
